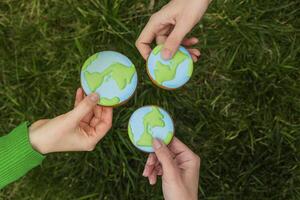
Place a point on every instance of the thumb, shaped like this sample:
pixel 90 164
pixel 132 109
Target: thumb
pixel 172 42
pixel 84 107
pixel 164 156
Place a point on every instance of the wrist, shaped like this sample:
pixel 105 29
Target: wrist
pixel 37 138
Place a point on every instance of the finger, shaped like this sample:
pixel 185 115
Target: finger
pixel 84 107
pixel 150 164
pixel 98 111
pixel 172 154
pixel 159 170
pixel 164 32
pixel 165 158
pixel 195 52
pixel 78 96
pixel 145 39
pixel 174 39
pixel 107 114
pixel 184 155
pixel 160 39
pixel 157 165
pixel 105 122
pixel 89 116
pixel 97 116
pixel 156 25
pixel 86 128
pixel 194 58
pixel 94 121
pixel 189 41
pixel 153 177
pixel 185 161
pixel 177 147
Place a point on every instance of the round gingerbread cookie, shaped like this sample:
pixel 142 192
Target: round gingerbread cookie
pixel 110 74
pixel 150 122
pixel 170 74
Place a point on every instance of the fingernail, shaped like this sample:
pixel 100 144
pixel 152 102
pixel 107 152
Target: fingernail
pixel 94 97
pixel 166 54
pixel 151 181
pixel 156 144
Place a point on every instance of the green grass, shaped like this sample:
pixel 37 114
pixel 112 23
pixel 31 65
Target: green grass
pixel 240 112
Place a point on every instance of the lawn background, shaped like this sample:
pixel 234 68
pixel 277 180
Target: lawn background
pixel 240 112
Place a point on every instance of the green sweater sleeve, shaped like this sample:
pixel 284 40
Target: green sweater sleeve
pixel 17 156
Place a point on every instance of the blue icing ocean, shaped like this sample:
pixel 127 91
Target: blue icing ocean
pixel 136 122
pixel 181 76
pixel 84 84
pixel 152 62
pixel 109 88
pixel 107 58
pixel 162 132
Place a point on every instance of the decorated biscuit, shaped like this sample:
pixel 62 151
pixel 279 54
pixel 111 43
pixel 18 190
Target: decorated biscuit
pixel 110 74
pixel 150 122
pixel 170 74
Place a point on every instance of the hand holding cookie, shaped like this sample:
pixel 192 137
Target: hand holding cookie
pixel 78 130
pixel 179 168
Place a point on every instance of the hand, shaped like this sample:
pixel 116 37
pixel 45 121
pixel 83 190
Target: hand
pixel 179 168
pixel 78 130
pixel 170 25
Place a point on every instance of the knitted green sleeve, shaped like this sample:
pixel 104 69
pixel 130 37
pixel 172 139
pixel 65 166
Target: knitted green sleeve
pixel 17 156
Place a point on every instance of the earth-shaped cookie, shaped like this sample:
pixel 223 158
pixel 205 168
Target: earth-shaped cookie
pixel 170 74
pixel 110 74
pixel 150 122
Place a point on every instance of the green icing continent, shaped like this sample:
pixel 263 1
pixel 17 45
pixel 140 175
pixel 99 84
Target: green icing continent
pixel 168 138
pixel 157 49
pixel 93 80
pixel 109 102
pixel 120 73
pixel 89 61
pixel 145 140
pixel 152 119
pixel 130 134
pixel 168 72
pixel 190 70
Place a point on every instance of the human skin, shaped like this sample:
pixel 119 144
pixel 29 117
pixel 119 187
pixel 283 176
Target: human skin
pixel 179 167
pixel 77 130
pixel 170 25
pixel 83 127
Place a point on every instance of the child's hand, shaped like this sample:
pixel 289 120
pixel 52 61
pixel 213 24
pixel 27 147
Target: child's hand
pixel 78 130
pixel 170 25
pixel 179 168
